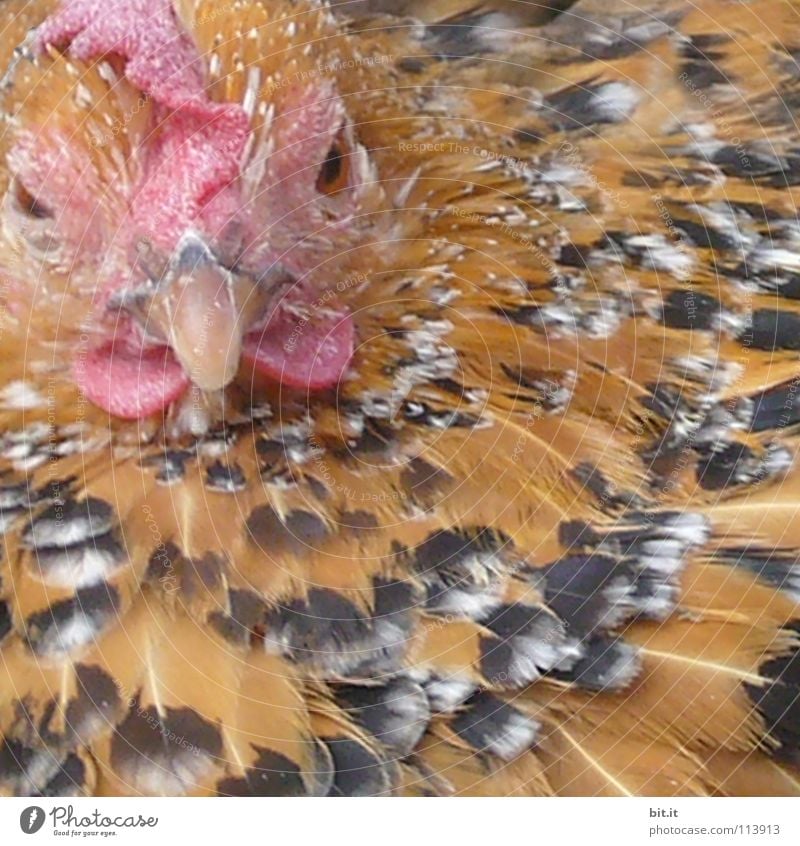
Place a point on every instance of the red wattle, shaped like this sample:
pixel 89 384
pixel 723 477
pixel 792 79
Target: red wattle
pixel 307 355
pixel 129 382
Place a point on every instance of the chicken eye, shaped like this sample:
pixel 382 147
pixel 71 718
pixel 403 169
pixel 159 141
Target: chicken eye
pixel 28 203
pixel 333 175
pixel 31 220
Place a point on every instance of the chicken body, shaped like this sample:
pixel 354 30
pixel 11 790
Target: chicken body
pixel 483 478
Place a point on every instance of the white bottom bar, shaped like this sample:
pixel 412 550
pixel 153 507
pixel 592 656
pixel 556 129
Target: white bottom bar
pixel 400 822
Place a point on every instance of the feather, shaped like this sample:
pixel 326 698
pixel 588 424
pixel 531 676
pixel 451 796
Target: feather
pixel 579 760
pixel 269 742
pixel 751 774
pixel 460 772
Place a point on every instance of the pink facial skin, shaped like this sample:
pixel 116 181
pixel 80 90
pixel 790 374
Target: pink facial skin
pixel 192 166
pixel 194 157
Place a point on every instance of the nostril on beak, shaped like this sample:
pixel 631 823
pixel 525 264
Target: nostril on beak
pixel 192 254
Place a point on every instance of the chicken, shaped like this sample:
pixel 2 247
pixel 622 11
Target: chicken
pixel 399 402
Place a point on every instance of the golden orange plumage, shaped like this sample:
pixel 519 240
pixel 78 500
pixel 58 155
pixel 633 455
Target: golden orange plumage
pixel 540 538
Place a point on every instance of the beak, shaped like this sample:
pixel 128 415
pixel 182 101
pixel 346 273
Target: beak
pixel 199 315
